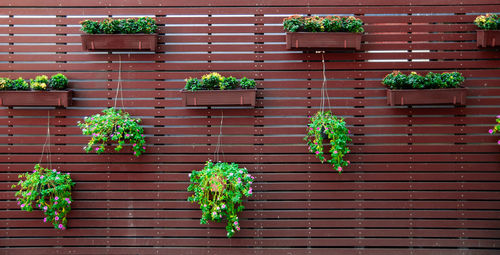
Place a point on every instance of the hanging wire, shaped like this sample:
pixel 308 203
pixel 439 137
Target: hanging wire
pixel 324 88
pixel 47 141
pixel 218 147
pixel 119 86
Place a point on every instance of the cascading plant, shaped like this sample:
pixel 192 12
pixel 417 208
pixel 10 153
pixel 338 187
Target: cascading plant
pixel 219 189
pixel 489 21
pixel 215 81
pixel 324 125
pixel 48 190
pixel 496 128
pixel 113 126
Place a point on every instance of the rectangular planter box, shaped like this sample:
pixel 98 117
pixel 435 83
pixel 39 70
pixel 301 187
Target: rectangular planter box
pixel 488 38
pixel 323 40
pixel 60 98
pixel 455 96
pixel 237 97
pixel 119 42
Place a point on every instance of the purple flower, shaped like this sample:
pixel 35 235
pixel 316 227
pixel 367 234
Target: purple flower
pixel 56 198
pixel 143 147
pixel 498 116
pixel 127 135
pixel 339 169
pixel 57 177
pixel 34 171
pixel 22 205
pixel 56 218
pixel 29 193
pixel 61 226
pixel 55 203
pixel 44 219
pixel 236 223
pixel 96 149
pixel 53 170
pixel 490 131
pixel 45 208
pixel 250 191
pixel 134 144
pixel 41 177
pixel 317 152
pixel 334 152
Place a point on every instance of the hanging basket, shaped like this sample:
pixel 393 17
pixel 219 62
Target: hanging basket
pixel 323 40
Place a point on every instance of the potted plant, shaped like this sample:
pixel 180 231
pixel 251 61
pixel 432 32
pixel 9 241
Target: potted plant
pixel 40 91
pixel 133 34
pixel 113 125
pixel 47 190
pixel 219 189
pixel 332 32
pixel 488 34
pixel 326 126
pixel 496 128
pixel 433 88
pixel 215 90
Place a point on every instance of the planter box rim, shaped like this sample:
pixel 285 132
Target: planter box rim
pixel 323 40
pixel 119 42
pixel 34 98
pixel 232 97
pixel 453 96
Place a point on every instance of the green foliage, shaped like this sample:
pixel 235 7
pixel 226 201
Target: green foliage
pixel 247 83
pixel 298 23
pixel 5 84
pixel 398 80
pixel 215 81
pixel 20 84
pixel 113 126
pixel 193 84
pixel 488 22
pixel 496 128
pixel 39 83
pixel 144 25
pixel 219 189
pixel 229 83
pixel 58 81
pixel 212 80
pixel 325 124
pixel 47 190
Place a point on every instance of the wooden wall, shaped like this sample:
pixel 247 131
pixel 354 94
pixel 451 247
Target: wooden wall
pixel 423 180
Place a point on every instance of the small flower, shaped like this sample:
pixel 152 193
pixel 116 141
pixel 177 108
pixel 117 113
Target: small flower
pixel 56 218
pixel 238 228
pixel 335 152
pixel 56 198
pixel 55 203
pixel 236 223
pixel 57 177
pixel 339 169
pixel 241 171
pixel 22 205
pixel 317 152
pixel 61 226
pixel 41 177
pixel 45 219
pixel 53 170
pixel 223 206
pixel 143 147
pixel 29 193
pixel 250 191
pixel 45 208
pixel 490 131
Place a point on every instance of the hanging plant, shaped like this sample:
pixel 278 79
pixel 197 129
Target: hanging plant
pixel 47 190
pixel 325 124
pixel 113 125
pixel 219 189
pixel 496 128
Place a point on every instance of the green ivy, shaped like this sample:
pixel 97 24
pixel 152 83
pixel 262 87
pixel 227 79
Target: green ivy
pixel 144 25
pixel 488 22
pixel 324 125
pixel 47 190
pixel 113 126
pixel 215 81
pixel 297 23
pixel 496 128
pixel 398 80
pixel 219 189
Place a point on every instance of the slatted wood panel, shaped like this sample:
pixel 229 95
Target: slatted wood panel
pixel 424 180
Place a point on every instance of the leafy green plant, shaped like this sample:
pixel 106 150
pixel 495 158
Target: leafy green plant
pixel 20 84
pixel 488 22
pixel 297 23
pixel 229 83
pixel 219 189
pixel 58 81
pixel 113 126
pixel 324 125
pixel 5 84
pixel 215 81
pixel 47 190
pixel 212 80
pixel 247 83
pixel 144 25
pixel 39 83
pixel 496 128
pixel 398 80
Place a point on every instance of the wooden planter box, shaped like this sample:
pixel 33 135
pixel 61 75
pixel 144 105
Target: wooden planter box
pixel 237 97
pixel 488 38
pixel 455 96
pixel 60 98
pixel 323 40
pixel 119 42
